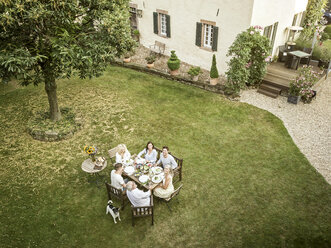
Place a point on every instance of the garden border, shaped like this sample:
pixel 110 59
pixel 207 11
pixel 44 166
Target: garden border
pixel 219 89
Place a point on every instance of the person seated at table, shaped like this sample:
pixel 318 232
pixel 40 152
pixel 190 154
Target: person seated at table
pixel 166 188
pixel 116 178
pixel 149 152
pixel 166 158
pixel 122 155
pixel 137 197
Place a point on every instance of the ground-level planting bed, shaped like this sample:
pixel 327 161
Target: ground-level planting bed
pixel 246 184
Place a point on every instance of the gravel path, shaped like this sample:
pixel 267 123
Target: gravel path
pixel 308 124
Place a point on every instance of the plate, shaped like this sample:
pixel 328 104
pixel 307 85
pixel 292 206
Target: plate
pixel 129 170
pixel 157 170
pixel 143 179
pixel 157 179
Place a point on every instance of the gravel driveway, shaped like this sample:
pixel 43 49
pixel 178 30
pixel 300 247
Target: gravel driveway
pixel 308 124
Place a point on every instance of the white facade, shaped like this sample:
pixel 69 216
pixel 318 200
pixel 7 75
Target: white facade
pixel 230 16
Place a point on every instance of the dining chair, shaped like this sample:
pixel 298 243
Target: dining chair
pixel 144 211
pixel 112 153
pixel 172 196
pixel 116 193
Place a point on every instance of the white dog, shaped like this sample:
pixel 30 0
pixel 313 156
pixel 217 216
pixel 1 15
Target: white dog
pixel 113 211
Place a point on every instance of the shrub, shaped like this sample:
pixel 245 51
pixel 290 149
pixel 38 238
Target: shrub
pixel 328 30
pixel 249 56
pixel 173 62
pixel 213 69
pixel 325 36
pixel 150 59
pixel 136 32
pixel 194 71
pixel 302 84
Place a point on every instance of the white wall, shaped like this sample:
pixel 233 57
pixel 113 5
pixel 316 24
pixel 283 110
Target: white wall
pixel 267 12
pixel 233 17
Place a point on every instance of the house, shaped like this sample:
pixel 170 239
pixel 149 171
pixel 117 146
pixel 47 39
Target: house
pixel 198 29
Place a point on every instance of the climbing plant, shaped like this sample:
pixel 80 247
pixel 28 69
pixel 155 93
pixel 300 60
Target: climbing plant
pixel 313 18
pixel 250 53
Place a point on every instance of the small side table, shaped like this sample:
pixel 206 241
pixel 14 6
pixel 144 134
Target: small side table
pixel 89 166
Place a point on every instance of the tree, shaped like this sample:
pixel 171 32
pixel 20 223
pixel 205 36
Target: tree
pixel 44 40
pixel 213 70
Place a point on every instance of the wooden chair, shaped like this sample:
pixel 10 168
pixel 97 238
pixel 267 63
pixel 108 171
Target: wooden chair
pixel 144 211
pixel 172 196
pixel 112 154
pixel 178 171
pixel 118 194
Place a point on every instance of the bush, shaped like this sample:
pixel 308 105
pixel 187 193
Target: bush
pixel 150 59
pixel 249 57
pixel 194 71
pixel 213 69
pixel 173 62
pixel 328 30
pixel 136 32
pixel 325 36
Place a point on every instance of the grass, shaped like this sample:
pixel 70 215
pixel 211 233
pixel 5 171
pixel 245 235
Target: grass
pixel 246 184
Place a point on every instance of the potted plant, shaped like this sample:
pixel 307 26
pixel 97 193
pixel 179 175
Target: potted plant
pixel 213 72
pixel 150 61
pixel 302 85
pixel 127 56
pixel 136 34
pixel 173 63
pixel 194 72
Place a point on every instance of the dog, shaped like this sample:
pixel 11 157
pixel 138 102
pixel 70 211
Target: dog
pixel 115 212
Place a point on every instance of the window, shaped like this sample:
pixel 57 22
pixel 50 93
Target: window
pixel 270 32
pixel 206 35
pixel 161 23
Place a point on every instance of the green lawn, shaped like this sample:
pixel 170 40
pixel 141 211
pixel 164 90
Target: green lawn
pixel 246 184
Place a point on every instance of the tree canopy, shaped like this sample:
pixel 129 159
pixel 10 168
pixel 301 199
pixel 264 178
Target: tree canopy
pixel 44 40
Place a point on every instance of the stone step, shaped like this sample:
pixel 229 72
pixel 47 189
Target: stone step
pixel 270 88
pixel 267 93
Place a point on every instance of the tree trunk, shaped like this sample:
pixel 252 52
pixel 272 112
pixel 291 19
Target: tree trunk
pixel 50 87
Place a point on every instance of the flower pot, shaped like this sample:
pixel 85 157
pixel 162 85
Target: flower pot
pixel 213 81
pixel 195 78
pixel 150 65
pixel 293 99
pixel 127 60
pixel 174 73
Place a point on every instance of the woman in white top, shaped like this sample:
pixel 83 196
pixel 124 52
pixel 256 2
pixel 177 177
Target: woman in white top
pixel 149 152
pixel 166 188
pixel 123 156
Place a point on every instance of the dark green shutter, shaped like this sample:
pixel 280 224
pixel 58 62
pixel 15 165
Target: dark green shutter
pixel 215 38
pixel 303 18
pixel 198 34
pixel 168 25
pixel 155 22
pixel 274 32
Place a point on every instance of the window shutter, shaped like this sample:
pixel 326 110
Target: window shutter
pixel 155 22
pixel 274 32
pixel 215 38
pixel 168 26
pixel 198 34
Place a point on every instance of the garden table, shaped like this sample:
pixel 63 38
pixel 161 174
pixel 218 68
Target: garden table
pixel 150 185
pixel 90 167
pixel 300 55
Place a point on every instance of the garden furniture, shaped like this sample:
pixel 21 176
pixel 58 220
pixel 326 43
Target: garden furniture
pixel 112 153
pixel 157 47
pixel 144 211
pixel 116 193
pixel 297 56
pixel 172 196
pixel 94 168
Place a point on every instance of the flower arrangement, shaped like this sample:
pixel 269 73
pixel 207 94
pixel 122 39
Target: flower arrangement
pixel 91 151
pixel 303 83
